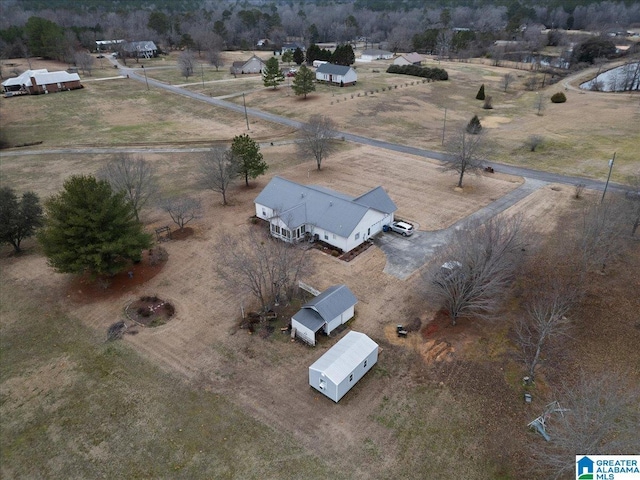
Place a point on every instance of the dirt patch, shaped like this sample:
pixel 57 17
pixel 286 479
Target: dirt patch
pixel 182 234
pixel 88 289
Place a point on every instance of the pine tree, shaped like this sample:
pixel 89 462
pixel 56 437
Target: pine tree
pixel 19 219
pixel 89 228
pixel 480 95
pixel 474 126
pixel 272 75
pixel 247 158
pixel 303 82
pixel 298 56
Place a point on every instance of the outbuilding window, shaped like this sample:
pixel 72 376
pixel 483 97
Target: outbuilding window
pixel 323 384
pixel 351 377
pixel 365 364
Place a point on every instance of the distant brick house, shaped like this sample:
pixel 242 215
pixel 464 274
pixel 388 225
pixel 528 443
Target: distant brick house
pixel 35 82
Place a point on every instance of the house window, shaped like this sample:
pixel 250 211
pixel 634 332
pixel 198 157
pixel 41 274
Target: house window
pixel 303 229
pixel 351 377
pixel 357 236
pixel 264 212
pixel 276 229
pixel 286 233
pixel 365 364
pixel 326 237
pixel 323 384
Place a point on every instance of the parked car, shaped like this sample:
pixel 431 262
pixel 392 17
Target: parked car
pixel 403 228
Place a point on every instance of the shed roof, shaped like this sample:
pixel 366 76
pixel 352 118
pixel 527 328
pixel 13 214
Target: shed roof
pixel 322 207
pixel 332 302
pixel 413 57
pixel 342 359
pixel 332 69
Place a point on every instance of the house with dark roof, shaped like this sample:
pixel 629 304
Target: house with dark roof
pixel 343 365
pixel 145 49
pixel 336 74
pixel 253 65
pixel 297 212
pixel 326 312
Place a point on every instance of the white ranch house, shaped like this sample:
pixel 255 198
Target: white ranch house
pixel 332 308
pixel 297 212
pixel 336 74
pixel 375 54
pixel 340 368
pixel 409 59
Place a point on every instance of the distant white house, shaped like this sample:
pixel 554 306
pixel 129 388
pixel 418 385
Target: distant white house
pixel 253 65
pixel 326 312
pixel 336 74
pixel 375 54
pixel 409 59
pixel 297 212
pixel 343 365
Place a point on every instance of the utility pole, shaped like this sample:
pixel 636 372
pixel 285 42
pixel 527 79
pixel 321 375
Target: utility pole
pixel 444 124
pixel 608 176
pixel 145 77
pixel 245 111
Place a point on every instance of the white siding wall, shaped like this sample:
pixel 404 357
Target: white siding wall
pixel 370 225
pixel 330 389
pixel 357 374
pixel 339 320
pixel 304 333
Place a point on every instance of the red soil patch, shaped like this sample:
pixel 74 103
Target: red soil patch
pixel 150 311
pixel 85 289
pixel 183 234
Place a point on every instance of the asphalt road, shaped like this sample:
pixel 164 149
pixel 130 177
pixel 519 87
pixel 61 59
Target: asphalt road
pixel 404 255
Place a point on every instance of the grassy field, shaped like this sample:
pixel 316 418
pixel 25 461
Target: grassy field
pixel 73 406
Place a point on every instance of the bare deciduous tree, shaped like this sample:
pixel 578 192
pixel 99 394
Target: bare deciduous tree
pixel 599 237
pixel 132 175
pixel 316 138
pixel 215 58
pixel 545 318
pixel 84 61
pixel 464 154
pixel 539 104
pixel 218 171
pixel 601 418
pixel 633 197
pixel 534 141
pixel 507 80
pixel 473 272
pixel 182 209
pixel 261 265
pixel 187 63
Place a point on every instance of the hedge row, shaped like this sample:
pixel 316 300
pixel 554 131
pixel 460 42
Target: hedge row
pixel 426 72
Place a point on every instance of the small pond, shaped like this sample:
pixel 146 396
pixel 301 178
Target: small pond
pixel 620 79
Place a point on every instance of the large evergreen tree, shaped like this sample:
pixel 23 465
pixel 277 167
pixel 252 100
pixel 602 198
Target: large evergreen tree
pixel 272 75
pixel 247 158
pixel 343 55
pixel 303 82
pixel 89 228
pixel 18 218
pixel 298 56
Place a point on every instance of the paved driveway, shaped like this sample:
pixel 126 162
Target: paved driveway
pixel 405 255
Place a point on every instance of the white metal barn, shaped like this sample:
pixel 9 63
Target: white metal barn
pixel 329 310
pixel 340 368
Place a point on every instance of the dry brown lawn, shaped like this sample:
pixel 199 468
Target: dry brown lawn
pixel 396 418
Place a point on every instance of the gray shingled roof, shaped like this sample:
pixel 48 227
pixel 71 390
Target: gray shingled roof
pixel 320 206
pixel 140 46
pixel 332 302
pixel 332 69
pixel 309 318
pixel 374 51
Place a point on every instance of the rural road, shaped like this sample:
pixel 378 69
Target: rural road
pixel 404 255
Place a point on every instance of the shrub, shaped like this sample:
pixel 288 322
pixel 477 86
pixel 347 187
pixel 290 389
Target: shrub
pixel 480 94
pixel 144 312
pixel 157 255
pixel 474 125
pixel 558 97
pixel 417 71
